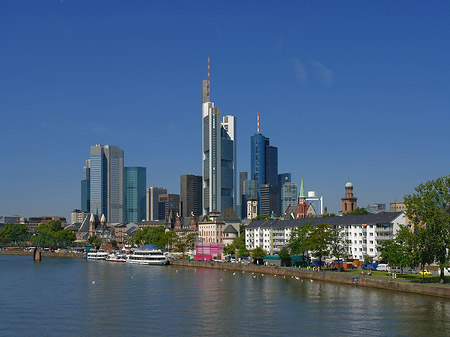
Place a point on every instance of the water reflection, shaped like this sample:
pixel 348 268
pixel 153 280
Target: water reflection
pixel 77 297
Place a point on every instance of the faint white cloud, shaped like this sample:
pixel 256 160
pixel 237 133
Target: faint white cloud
pixel 324 72
pixel 299 68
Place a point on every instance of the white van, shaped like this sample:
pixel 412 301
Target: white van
pixel 382 267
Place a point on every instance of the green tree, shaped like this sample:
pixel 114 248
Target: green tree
pixel 95 240
pixel 338 245
pixel 190 240
pixel 258 253
pixel 243 252
pixel 298 239
pixel 51 227
pixel 357 211
pixel 171 238
pixel 66 235
pixel 284 256
pixel 429 207
pixel 12 232
pixel 319 240
pixel 229 249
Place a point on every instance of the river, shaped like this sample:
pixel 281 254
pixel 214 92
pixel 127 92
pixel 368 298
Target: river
pixel 75 297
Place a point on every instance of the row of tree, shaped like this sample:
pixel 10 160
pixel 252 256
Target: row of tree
pixel 322 240
pixel 429 239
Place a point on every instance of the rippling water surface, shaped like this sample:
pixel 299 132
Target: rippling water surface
pixel 74 297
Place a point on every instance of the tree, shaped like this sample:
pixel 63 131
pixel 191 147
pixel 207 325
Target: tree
pixel 261 217
pixel 429 209
pixel 338 244
pixel 95 240
pixel 319 240
pixel 190 240
pixel 66 235
pixel 243 252
pixel 170 238
pixel 258 253
pixel 357 211
pixel 298 239
pixel 229 249
pixel 51 227
pixel 13 232
pixel 284 256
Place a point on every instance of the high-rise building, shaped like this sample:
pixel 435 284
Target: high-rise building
pixel 106 182
pixel 284 178
pixel 152 202
pixel 288 196
pixel 190 195
pixel 135 182
pixel 218 155
pixel 86 187
pixel 264 170
pixel 270 200
pixel 168 203
pixel 249 191
pixel 241 205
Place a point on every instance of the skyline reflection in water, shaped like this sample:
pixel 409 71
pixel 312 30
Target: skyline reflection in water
pixel 74 297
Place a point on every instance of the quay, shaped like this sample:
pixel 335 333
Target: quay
pixel 430 289
pixel 43 253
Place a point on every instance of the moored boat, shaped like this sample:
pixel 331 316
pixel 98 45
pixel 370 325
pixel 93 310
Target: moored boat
pixel 97 255
pixel 151 257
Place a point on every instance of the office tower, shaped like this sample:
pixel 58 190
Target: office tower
pixel 85 188
pixel 249 191
pixel 218 155
pixel 288 196
pixel 106 182
pixel 241 206
pixel 264 169
pixel 190 195
pixel 135 182
pixel 168 203
pixel 284 178
pixel 270 200
pixel 152 202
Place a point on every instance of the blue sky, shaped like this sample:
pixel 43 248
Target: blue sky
pixel 357 89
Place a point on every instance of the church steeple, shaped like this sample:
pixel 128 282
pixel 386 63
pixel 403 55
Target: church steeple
pixel 302 205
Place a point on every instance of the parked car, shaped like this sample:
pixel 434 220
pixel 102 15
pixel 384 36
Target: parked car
pixel 382 267
pixel 425 272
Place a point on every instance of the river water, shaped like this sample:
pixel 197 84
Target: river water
pixel 75 297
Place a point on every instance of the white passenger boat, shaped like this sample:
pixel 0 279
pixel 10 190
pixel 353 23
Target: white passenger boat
pixel 97 255
pixel 154 256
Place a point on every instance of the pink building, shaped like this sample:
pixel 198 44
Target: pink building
pixel 208 251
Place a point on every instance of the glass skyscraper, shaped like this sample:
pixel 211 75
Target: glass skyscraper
pixel 218 156
pixel 135 197
pixel 86 188
pixel 106 182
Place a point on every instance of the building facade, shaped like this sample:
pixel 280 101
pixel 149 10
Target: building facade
pixel 270 200
pixel 135 193
pixel 218 155
pixel 167 204
pixel 106 182
pixel 86 187
pixel 153 202
pixel 288 196
pixel 190 195
pixel 364 234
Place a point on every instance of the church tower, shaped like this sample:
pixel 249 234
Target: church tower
pixel 348 201
pixel 302 206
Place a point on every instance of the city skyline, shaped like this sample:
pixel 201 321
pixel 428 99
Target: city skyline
pixel 339 93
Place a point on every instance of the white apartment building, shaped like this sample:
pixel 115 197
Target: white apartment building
pixel 365 233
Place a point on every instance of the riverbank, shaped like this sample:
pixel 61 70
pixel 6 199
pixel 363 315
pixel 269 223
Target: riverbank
pixel 433 289
pixel 44 254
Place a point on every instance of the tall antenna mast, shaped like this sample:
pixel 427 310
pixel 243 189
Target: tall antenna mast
pixel 208 68
pixel 257 122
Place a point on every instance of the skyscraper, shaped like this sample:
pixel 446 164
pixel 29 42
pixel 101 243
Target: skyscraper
pixel 288 196
pixel 106 182
pixel 135 182
pixel 241 205
pixel 190 195
pixel 218 155
pixel 264 170
pixel 168 203
pixel 152 202
pixel 86 188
